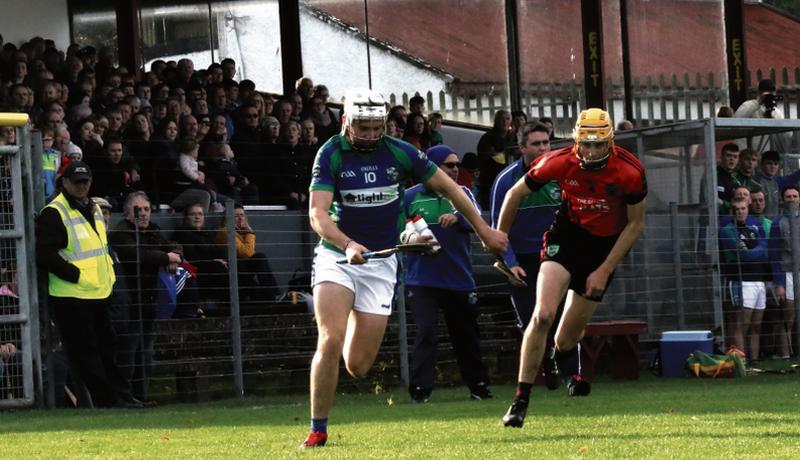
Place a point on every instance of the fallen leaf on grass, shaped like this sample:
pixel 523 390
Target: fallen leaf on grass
pixel 164 437
pixel 583 449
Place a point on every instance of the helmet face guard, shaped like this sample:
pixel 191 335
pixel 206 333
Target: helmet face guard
pixel 593 128
pixel 363 105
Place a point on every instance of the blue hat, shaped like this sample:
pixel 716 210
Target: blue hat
pixel 438 153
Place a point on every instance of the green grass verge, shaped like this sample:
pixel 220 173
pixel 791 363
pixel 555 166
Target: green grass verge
pixel 754 417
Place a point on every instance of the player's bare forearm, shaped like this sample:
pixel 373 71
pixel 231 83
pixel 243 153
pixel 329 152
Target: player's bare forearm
pixel 508 211
pixel 627 238
pixel 443 184
pixel 321 221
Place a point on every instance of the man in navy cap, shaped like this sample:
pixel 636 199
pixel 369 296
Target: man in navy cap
pixel 443 281
pixel 71 246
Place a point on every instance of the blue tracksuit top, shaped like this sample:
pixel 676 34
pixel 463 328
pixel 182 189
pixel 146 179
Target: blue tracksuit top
pixel 536 212
pixel 450 268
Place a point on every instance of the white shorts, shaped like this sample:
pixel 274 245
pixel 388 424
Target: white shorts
pixel 754 295
pixel 372 283
pixel 789 286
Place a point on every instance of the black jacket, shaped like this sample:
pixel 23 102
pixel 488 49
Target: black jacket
pixel 152 255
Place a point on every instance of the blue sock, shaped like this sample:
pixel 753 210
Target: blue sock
pixel 320 425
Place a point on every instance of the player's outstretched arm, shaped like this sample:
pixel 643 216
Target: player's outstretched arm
pixel 597 280
pixel 493 241
pixel 321 222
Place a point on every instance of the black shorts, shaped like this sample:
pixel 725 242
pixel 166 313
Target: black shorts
pixel 578 251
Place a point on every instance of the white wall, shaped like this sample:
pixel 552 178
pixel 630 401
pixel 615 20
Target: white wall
pixel 23 20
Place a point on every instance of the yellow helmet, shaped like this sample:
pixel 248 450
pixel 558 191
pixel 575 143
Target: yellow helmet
pixel 594 126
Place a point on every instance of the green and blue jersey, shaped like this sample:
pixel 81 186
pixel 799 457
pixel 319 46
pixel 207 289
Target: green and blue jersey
pixel 536 212
pixel 368 187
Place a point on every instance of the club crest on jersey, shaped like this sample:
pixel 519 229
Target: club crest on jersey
pixel 392 174
pixel 552 250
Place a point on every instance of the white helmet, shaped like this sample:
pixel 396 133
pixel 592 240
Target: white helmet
pixel 360 105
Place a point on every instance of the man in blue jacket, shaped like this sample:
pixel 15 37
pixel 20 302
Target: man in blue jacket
pixel 443 281
pixel 536 214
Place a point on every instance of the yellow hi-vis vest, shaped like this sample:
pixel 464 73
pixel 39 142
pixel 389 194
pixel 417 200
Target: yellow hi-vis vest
pixel 87 249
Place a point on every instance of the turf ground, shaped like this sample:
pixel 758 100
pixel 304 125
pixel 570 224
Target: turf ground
pixel 754 417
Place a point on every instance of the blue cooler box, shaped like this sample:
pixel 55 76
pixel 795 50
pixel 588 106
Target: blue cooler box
pixel 676 346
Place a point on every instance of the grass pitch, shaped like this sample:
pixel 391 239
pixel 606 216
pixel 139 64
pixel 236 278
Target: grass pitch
pixel 754 417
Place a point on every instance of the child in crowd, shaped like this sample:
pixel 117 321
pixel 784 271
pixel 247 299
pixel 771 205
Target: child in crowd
pixel 435 125
pixel 51 162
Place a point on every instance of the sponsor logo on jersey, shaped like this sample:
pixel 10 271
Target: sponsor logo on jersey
pixel 552 250
pixel 370 197
pixel 347 174
pixel 422 155
pixel 591 205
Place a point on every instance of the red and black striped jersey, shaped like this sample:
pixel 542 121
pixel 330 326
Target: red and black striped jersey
pixel 595 200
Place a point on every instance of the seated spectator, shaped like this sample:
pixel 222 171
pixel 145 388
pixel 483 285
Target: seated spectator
pixel 416 132
pixel 256 282
pixel 416 105
pixel 246 143
pixel 492 153
pixel 228 179
pixel 308 136
pixel 272 131
pixel 468 173
pixel 201 250
pixel 292 175
pixel 160 160
pixel 391 128
pixel 51 163
pixel 284 110
pixel 89 142
pixel 547 121
pixel 137 137
pixel 326 124
pixel 435 124
pixel 398 113
pixel 116 175
pixel 304 87
pixel 189 181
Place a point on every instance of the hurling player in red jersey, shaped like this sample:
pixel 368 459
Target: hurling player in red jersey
pixel 601 216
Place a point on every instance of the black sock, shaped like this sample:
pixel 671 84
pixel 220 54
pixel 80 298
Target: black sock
pixel 568 362
pixel 523 391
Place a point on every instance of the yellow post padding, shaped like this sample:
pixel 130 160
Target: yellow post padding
pixel 13 119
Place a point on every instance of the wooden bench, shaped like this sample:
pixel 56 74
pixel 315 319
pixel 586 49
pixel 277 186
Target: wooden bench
pixel 624 347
